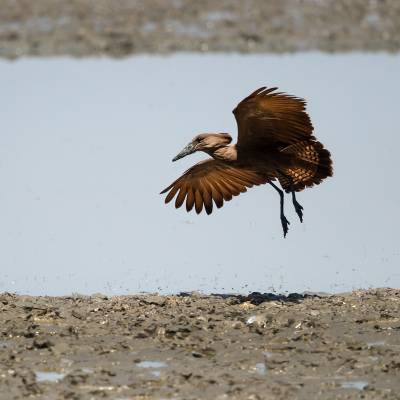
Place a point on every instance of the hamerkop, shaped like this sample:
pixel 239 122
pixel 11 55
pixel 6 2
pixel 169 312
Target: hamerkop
pixel 275 142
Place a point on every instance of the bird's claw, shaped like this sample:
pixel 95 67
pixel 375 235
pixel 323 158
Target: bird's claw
pixel 299 210
pixel 285 225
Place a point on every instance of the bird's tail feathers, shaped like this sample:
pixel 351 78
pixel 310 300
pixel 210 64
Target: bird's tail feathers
pixel 311 166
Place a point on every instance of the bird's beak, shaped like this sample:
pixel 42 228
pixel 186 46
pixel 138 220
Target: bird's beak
pixel 189 149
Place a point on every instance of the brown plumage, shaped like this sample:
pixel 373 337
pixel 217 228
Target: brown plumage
pixel 275 141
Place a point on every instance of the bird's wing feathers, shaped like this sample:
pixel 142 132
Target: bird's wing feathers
pixel 270 118
pixel 211 181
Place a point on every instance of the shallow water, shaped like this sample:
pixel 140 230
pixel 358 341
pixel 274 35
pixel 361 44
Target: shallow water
pixel 49 376
pixel 261 369
pixel 358 385
pixel 151 364
pixel 376 344
pixel 86 146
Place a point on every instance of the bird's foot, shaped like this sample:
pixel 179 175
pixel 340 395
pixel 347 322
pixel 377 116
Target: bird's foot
pixel 285 225
pixel 299 209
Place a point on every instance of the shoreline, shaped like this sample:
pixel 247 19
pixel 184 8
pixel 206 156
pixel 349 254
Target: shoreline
pixel 196 346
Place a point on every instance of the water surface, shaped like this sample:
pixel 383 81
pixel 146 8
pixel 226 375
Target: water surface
pixel 86 146
pixel 49 376
pixel 358 385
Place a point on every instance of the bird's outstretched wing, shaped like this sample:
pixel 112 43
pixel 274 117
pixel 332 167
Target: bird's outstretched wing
pixel 269 118
pixel 212 180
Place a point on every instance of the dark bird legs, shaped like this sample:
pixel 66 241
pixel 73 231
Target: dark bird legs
pixel 297 206
pixel 285 223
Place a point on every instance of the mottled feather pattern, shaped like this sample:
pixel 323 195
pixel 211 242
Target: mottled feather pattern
pixel 317 165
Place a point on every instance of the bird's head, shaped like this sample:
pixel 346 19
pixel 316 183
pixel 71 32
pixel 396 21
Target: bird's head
pixel 207 142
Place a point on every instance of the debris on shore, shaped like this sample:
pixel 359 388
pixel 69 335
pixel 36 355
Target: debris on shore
pixel 195 346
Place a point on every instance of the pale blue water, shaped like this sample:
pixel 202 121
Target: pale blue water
pixel 261 369
pixel 151 364
pixel 49 376
pixel 358 385
pixel 86 146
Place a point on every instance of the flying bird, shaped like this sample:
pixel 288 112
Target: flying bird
pixel 275 143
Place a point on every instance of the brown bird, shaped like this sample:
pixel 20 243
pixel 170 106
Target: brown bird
pixel 275 141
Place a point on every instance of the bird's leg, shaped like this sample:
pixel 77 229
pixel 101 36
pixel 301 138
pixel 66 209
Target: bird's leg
pixel 297 206
pixel 285 223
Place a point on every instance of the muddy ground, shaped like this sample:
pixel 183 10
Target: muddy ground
pixel 123 27
pixel 193 346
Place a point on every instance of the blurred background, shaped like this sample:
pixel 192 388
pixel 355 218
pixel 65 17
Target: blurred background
pixel 123 27
pixel 98 96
